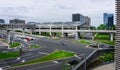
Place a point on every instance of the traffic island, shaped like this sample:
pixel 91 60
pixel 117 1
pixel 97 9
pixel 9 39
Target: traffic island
pixel 8 55
pixel 82 41
pixel 56 55
pixel 14 44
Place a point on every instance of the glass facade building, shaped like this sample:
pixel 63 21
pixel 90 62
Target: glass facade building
pixel 108 19
pixel 117 37
pixel 82 19
pixel 2 21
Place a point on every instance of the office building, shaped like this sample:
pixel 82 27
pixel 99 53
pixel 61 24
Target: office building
pixel 2 21
pixel 80 18
pixel 117 37
pixel 108 19
pixel 87 21
pixel 17 21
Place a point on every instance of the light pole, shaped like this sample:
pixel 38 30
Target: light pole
pixel 20 49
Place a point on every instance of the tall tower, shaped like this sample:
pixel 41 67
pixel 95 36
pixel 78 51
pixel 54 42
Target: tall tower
pixel 108 19
pixel 117 36
pixel 75 17
pixel 105 20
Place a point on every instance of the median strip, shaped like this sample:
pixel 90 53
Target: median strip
pixel 53 56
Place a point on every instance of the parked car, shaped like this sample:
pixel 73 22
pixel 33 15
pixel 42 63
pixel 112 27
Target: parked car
pixel 73 62
pixel 102 46
pixel 113 47
pixel 94 45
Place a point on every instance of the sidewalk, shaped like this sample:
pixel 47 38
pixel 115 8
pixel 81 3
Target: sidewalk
pixel 3 43
pixel 110 66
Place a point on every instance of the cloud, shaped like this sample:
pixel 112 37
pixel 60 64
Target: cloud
pixel 55 10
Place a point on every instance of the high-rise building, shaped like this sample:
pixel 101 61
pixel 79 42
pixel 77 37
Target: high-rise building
pixel 87 21
pixel 80 18
pixel 108 19
pixel 17 21
pixel 117 37
pixel 2 21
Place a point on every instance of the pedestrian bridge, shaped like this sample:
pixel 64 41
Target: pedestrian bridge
pixel 65 28
pixel 69 31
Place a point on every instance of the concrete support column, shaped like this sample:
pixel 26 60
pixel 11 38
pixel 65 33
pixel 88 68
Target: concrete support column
pixel 65 34
pixel 23 31
pixel 31 31
pixel 50 31
pixel 8 36
pixel 39 30
pixel 76 32
pixel 93 37
pixel 62 32
pixel 89 28
pixel 54 34
pixel 111 36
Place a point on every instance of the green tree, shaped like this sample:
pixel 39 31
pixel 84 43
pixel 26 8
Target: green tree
pixel 113 27
pixel 102 27
pixel 93 28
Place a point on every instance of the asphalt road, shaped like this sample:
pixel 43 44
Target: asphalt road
pixel 48 46
pixel 40 66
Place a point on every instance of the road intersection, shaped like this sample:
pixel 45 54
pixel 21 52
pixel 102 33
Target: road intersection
pixel 47 46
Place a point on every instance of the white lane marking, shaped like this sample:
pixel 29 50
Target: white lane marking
pixel 26 55
pixel 19 60
pixel 5 67
pixel 42 67
pixel 22 61
pixel 42 53
pixel 77 57
pixel 1 69
pixel 55 62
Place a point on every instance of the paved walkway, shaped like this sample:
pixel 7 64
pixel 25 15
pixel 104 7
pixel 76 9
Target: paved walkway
pixel 110 66
pixel 3 43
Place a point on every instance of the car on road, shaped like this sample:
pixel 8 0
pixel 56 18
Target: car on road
pixel 18 39
pixel 94 45
pixel 73 62
pixel 112 47
pixel 97 45
pixel 102 46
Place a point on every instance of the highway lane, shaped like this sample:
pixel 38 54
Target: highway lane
pixel 26 57
pixel 53 44
pixel 51 65
pixel 40 66
pixel 48 46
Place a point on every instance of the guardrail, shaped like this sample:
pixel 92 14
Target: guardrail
pixel 92 56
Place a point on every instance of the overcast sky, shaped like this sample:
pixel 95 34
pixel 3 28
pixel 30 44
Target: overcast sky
pixel 55 10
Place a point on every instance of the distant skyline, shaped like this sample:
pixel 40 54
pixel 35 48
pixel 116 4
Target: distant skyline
pixel 55 10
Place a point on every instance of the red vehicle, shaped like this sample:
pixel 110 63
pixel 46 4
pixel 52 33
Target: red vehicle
pixel 28 39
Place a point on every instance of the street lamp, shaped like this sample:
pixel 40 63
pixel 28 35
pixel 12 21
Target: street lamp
pixel 20 49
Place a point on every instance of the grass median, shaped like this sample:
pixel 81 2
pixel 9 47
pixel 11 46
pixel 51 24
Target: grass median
pixel 7 55
pixel 82 41
pixel 14 44
pixel 53 56
pixel 106 42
